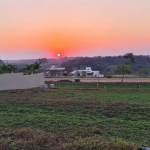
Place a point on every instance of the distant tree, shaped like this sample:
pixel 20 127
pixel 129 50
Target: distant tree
pixel 122 69
pixel 144 72
pixel 130 58
pixel 11 68
pixel 106 63
pixel 43 60
pixel 125 69
pixel 33 67
pixel 4 68
pixel 37 65
pixel 82 67
pixel 29 67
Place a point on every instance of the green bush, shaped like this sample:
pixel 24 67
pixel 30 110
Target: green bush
pixel 64 81
pixel 108 76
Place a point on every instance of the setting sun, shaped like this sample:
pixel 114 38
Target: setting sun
pixel 58 55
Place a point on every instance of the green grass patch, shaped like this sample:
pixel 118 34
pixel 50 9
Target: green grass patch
pixel 74 117
pixel 102 85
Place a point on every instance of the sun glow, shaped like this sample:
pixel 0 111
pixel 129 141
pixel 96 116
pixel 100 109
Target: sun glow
pixel 58 55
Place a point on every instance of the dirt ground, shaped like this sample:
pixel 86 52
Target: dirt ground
pixel 101 79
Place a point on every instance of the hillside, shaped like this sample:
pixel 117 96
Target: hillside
pixel 106 63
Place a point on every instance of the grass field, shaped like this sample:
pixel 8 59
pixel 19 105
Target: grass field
pixel 101 85
pixel 40 119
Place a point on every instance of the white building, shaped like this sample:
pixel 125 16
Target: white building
pixel 87 73
pixel 54 71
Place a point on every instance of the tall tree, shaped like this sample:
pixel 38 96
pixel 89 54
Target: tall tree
pixel 11 68
pixel 122 69
pixel 144 72
pixel 37 65
pixel 125 69
pixel 33 67
pixel 4 68
pixel 129 58
pixel 29 67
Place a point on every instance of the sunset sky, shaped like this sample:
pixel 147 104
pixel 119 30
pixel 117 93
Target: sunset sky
pixel 43 28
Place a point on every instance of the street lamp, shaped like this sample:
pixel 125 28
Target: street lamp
pixel 98 78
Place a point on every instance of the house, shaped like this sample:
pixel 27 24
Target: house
pixel 86 73
pixel 54 71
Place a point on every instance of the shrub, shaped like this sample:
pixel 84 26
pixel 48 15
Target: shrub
pixel 64 81
pixel 108 76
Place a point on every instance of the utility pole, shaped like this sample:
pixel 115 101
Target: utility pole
pixel 98 78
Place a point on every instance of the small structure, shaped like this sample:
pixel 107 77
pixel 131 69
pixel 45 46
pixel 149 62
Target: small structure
pixel 54 71
pixel 86 73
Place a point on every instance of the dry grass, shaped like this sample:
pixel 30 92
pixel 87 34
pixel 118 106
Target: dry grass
pixel 98 143
pixel 25 139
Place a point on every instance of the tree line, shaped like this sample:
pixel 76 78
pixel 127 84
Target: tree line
pixel 107 64
pixel 11 68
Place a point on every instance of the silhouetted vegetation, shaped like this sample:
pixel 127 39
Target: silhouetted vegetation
pixel 7 68
pixel 107 64
pixel 43 60
pixel 32 68
pixel 123 69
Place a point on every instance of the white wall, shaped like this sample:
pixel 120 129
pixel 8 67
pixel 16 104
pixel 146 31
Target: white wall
pixel 20 81
pixel 97 74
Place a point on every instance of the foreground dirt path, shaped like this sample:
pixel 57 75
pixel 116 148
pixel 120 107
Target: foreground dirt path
pixel 102 79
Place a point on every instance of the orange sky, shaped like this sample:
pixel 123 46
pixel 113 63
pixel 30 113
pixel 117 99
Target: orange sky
pixel 41 28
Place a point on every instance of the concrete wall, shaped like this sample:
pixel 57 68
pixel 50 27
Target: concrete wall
pixel 20 81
